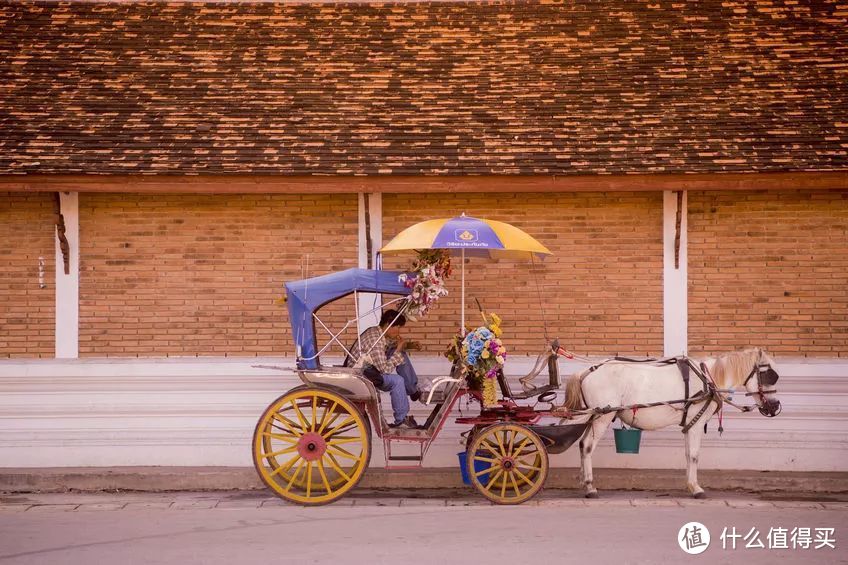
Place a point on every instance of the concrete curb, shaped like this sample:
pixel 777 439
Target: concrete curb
pixel 163 479
pixel 210 504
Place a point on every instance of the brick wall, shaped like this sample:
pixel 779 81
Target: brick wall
pixel 197 275
pixel 184 275
pixel 769 269
pixel 602 288
pixel 27 312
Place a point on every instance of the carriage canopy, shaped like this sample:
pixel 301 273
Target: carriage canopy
pixel 305 297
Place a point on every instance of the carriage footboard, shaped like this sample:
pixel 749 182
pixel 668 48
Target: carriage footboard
pixel 559 438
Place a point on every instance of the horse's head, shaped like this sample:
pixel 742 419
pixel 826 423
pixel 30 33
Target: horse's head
pixel 761 383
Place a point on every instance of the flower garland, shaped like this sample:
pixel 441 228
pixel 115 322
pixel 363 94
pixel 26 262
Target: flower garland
pixel 427 284
pixel 483 354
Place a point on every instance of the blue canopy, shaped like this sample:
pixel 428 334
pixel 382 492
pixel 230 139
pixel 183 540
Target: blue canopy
pixel 309 295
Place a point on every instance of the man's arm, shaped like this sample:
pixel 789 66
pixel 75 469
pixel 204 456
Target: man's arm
pixel 375 345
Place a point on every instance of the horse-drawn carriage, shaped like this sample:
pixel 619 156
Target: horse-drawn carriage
pixel 313 444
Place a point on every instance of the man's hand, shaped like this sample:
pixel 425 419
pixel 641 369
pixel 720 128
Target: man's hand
pixel 401 344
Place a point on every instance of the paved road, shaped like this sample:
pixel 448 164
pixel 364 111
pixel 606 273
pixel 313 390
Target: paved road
pixel 249 527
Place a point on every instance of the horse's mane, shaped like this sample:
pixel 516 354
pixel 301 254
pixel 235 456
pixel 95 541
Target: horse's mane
pixel 731 369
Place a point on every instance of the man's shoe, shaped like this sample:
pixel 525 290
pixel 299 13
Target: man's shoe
pixel 408 423
pixel 416 396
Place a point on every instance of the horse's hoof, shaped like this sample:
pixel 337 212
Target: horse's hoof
pixel 592 494
pixel 700 495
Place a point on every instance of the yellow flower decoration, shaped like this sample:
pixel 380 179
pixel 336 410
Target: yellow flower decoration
pixel 495 326
pixel 490 394
pixel 485 354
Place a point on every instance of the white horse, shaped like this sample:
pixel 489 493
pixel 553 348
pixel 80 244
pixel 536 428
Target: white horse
pixel 622 383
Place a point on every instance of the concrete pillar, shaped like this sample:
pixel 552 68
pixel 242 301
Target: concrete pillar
pixel 370 224
pixel 675 278
pixel 67 285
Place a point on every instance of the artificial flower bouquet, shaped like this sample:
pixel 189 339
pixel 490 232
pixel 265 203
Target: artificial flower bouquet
pixel 483 354
pixel 426 282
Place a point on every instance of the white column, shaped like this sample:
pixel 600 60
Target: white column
pixel 67 286
pixel 675 308
pixel 375 216
pixel 375 203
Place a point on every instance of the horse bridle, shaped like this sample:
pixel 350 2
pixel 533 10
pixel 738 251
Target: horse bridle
pixel 766 376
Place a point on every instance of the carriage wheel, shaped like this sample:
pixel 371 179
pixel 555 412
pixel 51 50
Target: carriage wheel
pixel 483 462
pixel 531 474
pixel 311 446
pixel 518 463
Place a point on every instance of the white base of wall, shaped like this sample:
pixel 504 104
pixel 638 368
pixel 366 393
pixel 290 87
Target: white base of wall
pixel 201 412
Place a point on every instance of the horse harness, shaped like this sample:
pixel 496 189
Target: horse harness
pixel 686 366
pixel 766 376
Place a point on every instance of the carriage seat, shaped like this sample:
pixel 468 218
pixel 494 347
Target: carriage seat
pixel 549 358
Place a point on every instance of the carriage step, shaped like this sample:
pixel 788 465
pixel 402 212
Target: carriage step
pixel 404 458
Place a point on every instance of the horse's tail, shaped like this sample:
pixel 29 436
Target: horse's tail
pixel 574 391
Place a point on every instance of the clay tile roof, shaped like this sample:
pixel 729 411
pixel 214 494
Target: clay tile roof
pixel 542 87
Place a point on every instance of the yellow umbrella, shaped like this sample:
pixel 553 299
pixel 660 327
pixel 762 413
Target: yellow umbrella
pixel 466 235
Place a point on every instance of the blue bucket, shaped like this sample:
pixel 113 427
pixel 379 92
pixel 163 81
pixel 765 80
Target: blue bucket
pixel 478 466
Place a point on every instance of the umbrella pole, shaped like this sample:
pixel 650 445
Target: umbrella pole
pixel 462 327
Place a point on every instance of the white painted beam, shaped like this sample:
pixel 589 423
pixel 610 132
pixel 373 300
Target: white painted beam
pixel 675 277
pixel 67 285
pixel 375 229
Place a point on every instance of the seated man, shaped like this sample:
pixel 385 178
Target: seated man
pixel 387 354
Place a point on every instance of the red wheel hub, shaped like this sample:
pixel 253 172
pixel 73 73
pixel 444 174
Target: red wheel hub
pixel 311 446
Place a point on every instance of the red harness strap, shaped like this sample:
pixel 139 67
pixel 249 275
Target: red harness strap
pixel 563 353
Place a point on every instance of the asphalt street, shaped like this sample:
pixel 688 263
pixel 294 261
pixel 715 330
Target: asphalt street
pixel 558 527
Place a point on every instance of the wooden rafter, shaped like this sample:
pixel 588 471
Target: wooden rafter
pixel 60 234
pixel 303 184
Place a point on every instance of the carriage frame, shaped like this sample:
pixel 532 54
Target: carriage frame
pixel 306 456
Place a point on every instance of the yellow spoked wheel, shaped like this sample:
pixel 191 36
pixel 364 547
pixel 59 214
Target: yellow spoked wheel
pixel 311 446
pixel 531 473
pixel 511 463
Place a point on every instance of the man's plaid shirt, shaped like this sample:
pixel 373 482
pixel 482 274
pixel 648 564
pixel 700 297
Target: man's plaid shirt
pixel 374 344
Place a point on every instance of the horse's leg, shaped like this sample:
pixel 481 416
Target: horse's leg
pixel 588 444
pixel 693 448
pixel 580 445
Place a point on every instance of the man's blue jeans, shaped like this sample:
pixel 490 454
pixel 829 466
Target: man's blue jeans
pixel 400 386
